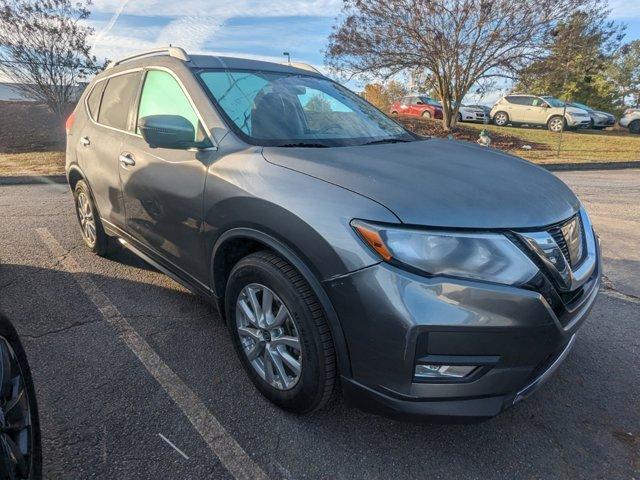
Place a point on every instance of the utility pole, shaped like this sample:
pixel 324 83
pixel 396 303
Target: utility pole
pixel 288 56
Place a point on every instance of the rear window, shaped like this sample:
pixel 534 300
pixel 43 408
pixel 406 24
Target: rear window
pixel 93 101
pixel 119 95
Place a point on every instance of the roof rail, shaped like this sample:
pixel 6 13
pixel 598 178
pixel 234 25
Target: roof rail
pixel 175 52
pixel 303 66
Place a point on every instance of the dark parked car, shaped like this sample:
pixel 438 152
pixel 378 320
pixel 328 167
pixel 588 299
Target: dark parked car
pixel 20 448
pixel 421 277
pixel 417 106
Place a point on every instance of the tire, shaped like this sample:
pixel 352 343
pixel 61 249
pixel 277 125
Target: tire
pixel 634 127
pixel 459 117
pixel 426 114
pixel 315 383
pixel 501 119
pixel 26 461
pixel 556 124
pixel 394 114
pixel 91 228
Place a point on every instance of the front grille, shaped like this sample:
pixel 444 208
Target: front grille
pixel 573 247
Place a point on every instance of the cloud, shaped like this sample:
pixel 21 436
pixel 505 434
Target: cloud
pixel 190 32
pixel 225 8
pixel 111 23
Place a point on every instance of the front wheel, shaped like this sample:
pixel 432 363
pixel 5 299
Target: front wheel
pixel 426 114
pixel 634 127
pixel 556 124
pixel 280 332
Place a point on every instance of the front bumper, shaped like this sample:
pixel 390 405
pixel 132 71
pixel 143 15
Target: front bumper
pixel 578 122
pixel 391 318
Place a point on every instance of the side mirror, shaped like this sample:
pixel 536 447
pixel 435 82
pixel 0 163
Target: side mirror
pixel 168 131
pixel 545 105
pixel 419 102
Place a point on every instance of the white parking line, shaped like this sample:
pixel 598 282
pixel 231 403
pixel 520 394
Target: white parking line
pixel 229 452
pixel 173 446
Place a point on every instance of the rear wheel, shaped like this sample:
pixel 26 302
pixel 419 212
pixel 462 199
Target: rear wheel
pixel 90 225
pixel 556 124
pixel 501 119
pixel 280 332
pixel 394 113
pixel 634 127
pixel 426 114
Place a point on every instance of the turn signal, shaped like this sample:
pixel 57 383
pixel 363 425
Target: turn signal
pixel 372 237
pixel 70 121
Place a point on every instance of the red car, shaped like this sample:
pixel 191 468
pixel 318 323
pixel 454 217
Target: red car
pixel 417 106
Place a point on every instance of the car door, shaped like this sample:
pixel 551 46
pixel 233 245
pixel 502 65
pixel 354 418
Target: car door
pixel 518 108
pixel 100 141
pixel 162 188
pixel 538 111
pixel 405 105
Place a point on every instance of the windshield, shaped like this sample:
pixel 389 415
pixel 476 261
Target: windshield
pixel 297 110
pixel 554 102
pixel 580 105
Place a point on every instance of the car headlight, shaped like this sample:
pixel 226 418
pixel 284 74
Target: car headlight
pixel 490 257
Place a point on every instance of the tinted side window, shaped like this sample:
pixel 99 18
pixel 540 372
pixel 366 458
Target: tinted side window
pixel 162 95
pixel 93 101
pixel 519 100
pixel 118 96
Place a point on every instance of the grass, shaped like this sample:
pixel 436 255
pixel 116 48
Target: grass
pixel 31 163
pixel 582 146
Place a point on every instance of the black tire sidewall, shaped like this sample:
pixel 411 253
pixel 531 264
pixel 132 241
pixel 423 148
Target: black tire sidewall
pixel 506 119
pixel 634 127
pixel 8 332
pixel 308 392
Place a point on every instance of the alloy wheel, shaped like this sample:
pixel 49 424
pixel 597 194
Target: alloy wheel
pixel 269 336
pixel 500 119
pixel 16 432
pixel 86 218
pixel 556 124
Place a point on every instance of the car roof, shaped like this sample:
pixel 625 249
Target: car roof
pixel 239 63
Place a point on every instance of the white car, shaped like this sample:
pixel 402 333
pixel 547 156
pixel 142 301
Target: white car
pixel 631 120
pixel 470 114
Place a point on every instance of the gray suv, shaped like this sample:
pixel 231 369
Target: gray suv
pixel 417 277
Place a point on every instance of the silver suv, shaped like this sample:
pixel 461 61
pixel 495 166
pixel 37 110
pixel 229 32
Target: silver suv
pixel 519 109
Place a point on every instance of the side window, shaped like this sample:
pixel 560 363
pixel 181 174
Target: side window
pixel 519 100
pixel 536 102
pixel 117 99
pixel 163 95
pixel 405 101
pixel 93 100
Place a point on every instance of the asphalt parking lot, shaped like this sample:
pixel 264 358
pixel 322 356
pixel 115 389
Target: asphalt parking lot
pixel 123 356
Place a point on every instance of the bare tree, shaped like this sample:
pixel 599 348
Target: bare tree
pixel 44 49
pixel 455 42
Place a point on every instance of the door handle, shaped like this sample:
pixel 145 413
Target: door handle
pixel 126 159
pixel 85 141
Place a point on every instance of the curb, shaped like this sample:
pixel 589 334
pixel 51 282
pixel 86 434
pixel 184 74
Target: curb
pixel 33 179
pixel 559 167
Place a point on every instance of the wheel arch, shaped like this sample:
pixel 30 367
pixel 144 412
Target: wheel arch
pixel 241 241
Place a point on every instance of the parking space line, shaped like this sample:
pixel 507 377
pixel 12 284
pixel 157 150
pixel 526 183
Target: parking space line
pixel 224 446
pixel 173 446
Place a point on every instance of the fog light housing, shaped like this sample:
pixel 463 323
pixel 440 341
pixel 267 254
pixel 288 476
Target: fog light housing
pixel 443 372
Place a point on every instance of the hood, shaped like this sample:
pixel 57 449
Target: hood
pixel 437 182
pixel 577 110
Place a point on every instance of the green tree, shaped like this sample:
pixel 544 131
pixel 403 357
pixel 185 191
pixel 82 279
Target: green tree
pixel 579 56
pixel 44 49
pixel 625 74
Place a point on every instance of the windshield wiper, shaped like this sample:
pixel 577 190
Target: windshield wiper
pixel 303 144
pixel 388 140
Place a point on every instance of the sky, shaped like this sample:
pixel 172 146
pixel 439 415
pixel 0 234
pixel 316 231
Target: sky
pixel 261 29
